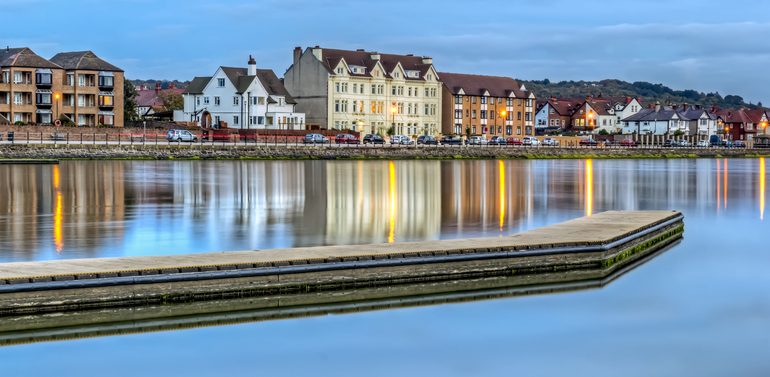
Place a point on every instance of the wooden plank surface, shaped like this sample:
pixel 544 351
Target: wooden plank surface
pixel 598 229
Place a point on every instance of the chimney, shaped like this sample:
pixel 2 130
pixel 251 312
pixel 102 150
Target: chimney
pixel 427 60
pixel 318 52
pixel 297 54
pixel 628 99
pixel 252 66
pixel 657 106
pixel 157 87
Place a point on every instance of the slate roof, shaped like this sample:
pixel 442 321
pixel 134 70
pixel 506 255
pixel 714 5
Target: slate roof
pixel 83 60
pixel 735 116
pixel 332 57
pixel 476 85
pixel 693 113
pixel 240 78
pixel 653 115
pixel 197 85
pixel 24 57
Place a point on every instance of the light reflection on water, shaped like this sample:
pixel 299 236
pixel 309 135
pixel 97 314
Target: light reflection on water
pixel 700 309
pixel 116 208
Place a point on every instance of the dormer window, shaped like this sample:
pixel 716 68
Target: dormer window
pixel 413 74
pixel 340 70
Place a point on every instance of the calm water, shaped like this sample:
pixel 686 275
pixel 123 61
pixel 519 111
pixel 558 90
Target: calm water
pixel 702 308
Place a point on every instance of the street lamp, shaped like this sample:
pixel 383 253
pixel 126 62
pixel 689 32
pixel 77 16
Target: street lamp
pixel 393 111
pixel 504 115
pixel 56 97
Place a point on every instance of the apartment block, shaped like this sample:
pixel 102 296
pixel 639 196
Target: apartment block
pixel 77 85
pixel 486 106
pixel 366 91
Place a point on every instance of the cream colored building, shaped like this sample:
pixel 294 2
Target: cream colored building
pixel 365 91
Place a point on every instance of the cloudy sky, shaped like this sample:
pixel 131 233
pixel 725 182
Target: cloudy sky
pixel 707 45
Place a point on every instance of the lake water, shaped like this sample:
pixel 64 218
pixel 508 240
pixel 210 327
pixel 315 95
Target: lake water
pixel 702 308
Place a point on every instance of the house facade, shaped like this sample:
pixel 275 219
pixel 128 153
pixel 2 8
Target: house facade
pixel 486 106
pixel 242 98
pixel 365 91
pixel 659 120
pixel 149 102
pixel 77 86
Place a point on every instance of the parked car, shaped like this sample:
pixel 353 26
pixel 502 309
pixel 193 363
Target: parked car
pixel 685 144
pixel 373 139
pixel 739 144
pixel 513 141
pixel 627 143
pixel 727 144
pixel 588 141
pixel 181 135
pixel 550 142
pixel 670 143
pixel 315 139
pixel 497 140
pixel 530 140
pixel 451 140
pixel 427 140
pixel 715 141
pixel 476 140
pixel 401 140
pixel 346 139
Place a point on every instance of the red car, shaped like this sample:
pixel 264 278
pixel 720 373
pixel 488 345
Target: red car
pixel 346 139
pixel 628 143
pixel 513 141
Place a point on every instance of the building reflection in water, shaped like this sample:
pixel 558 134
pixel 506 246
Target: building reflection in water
pixel 114 208
pixel 762 177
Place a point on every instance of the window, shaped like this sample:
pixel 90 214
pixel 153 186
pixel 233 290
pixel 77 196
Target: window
pixel 483 100
pixel 509 102
pixel 253 120
pixel 216 101
pixel 336 106
pixel 483 113
pixel 473 99
pixel 205 100
pixel 221 83
pixel 528 117
pixel 107 119
pixel 235 119
pixel 508 130
pixel 105 100
pixel 458 114
pixel 261 100
pixel 217 120
pixel 458 100
pixel 70 79
pixel 106 81
pixel 518 115
pixel 260 120
pixel 43 78
pixel 473 114
pixel 236 101
pixel 43 98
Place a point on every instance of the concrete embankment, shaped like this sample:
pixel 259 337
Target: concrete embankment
pixel 166 151
pixel 602 243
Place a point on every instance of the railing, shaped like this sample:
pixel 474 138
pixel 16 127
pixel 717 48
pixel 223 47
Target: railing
pixel 235 140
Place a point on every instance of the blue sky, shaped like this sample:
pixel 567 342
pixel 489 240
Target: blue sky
pixel 706 45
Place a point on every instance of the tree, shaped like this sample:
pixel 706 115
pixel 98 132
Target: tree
pixel 391 131
pixel 172 100
pixel 129 97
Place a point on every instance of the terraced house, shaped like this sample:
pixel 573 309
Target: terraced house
pixel 486 106
pixel 366 91
pixel 76 86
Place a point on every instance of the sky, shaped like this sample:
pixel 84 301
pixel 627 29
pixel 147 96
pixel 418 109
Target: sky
pixel 707 45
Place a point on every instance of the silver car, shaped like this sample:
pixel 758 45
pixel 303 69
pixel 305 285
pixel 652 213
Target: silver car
pixel 401 139
pixel 180 136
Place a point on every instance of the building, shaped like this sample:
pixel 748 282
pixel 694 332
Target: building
pixel 742 124
pixel 245 98
pixel 486 105
pixel 658 120
pixel 27 84
pixel 149 102
pixel 366 91
pixel 701 122
pixel 91 91
pixel 554 114
pixel 594 116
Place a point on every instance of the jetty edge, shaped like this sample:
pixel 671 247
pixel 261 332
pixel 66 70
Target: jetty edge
pixel 602 241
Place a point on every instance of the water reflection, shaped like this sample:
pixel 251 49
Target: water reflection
pixel 116 208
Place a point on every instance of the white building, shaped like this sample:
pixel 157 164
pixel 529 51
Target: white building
pixel 656 121
pixel 240 98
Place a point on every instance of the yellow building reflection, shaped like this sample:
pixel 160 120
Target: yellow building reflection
pixel 762 188
pixel 503 193
pixel 393 203
pixel 589 187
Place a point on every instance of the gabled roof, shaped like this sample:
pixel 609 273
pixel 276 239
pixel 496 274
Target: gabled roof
pixel 694 113
pixel 653 115
pixel 274 85
pixel 330 58
pixel 197 85
pixel 151 98
pixel 477 85
pixel 756 115
pixel 83 60
pixel 23 57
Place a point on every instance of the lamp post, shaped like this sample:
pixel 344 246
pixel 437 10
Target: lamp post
pixel 56 97
pixel 590 120
pixel 393 111
pixel 504 115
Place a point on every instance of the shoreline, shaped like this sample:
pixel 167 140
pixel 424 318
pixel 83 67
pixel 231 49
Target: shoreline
pixel 193 152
